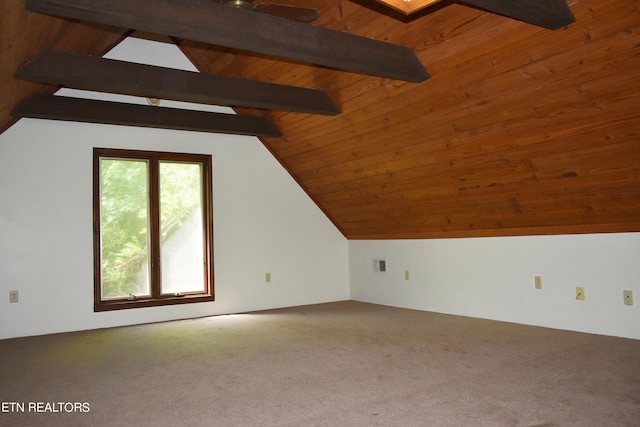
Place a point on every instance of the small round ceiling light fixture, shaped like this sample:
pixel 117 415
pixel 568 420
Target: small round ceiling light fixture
pixel 240 4
pixel 154 102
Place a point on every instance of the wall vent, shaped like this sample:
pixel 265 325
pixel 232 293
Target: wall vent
pixel 379 265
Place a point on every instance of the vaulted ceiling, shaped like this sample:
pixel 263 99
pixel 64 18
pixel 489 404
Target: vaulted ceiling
pixel 519 131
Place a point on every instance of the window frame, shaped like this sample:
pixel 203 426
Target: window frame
pixel 157 298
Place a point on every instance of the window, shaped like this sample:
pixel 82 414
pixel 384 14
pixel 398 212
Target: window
pixel 153 229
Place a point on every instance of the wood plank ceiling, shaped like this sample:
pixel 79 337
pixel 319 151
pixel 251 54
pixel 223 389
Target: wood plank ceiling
pixel 519 131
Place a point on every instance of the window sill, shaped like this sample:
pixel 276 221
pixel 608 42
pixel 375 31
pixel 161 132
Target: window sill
pixel 123 304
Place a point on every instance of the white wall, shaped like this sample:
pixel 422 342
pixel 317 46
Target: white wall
pixel 493 278
pixel 263 222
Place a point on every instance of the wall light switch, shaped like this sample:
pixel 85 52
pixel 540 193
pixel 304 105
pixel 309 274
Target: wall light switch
pixel 579 293
pixel 13 297
pixel 267 277
pixel 406 275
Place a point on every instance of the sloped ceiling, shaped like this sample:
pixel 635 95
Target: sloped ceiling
pixel 519 131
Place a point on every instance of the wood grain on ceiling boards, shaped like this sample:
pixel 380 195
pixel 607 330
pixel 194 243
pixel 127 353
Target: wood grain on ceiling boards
pixel 520 130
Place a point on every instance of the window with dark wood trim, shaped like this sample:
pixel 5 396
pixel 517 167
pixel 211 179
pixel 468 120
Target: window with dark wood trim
pixel 153 228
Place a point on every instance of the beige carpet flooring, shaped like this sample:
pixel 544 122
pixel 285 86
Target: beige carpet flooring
pixel 337 364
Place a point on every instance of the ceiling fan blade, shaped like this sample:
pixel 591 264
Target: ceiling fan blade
pixel 300 14
pixel 550 14
pixel 213 23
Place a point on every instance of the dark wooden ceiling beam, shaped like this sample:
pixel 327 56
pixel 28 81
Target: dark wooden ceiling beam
pixel 111 76
pixel 213 23
pixel 550 14
pixel 115 113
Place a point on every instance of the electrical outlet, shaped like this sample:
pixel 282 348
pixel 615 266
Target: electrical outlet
pixel 628 297
pixel 538 282
pixel 579 293
pixel 13 297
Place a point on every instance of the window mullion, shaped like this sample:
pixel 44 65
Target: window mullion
pixel 154 224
